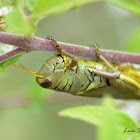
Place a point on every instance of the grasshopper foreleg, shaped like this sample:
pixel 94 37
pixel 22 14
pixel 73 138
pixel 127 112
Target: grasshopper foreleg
pixel 62 51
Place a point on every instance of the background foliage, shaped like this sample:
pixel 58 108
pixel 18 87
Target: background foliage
pixel 30 112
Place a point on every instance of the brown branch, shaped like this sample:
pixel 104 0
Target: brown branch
pixel 11 54
pixel 39 44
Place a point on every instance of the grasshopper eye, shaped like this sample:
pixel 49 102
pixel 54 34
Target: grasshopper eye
pixel 47 83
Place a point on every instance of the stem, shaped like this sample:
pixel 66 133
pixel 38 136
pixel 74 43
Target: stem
pixel 11 54
pixel 39 44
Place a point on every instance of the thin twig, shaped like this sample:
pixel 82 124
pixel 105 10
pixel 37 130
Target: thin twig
pixel 11 54
pixel 39 44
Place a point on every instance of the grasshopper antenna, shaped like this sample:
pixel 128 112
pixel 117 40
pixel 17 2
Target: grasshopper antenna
pixel 33 73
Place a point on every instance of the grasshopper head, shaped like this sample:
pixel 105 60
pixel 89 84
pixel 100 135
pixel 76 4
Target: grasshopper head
pixel 51 72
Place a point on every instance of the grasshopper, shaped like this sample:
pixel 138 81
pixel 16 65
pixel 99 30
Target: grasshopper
pixel 65 73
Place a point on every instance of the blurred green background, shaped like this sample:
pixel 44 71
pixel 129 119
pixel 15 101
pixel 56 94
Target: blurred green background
pixel 31 113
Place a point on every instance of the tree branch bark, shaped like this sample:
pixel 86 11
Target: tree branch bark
pixel 39 44
pixel 11 54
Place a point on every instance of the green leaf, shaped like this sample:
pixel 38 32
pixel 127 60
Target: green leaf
pixel 133 44
pixel 108 130
pixel 50 7
pixel 17 22
pixel 97 116
pixel 136 137
pixel 30 4
pixel 6 63
pixel 123 120
pixel 90 114
pixel 130 5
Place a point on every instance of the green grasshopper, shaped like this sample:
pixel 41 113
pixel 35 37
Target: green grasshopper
pixel 63 72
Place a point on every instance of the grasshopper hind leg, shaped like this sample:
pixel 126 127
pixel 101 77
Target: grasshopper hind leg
pixel 126 83
pixel 127 80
